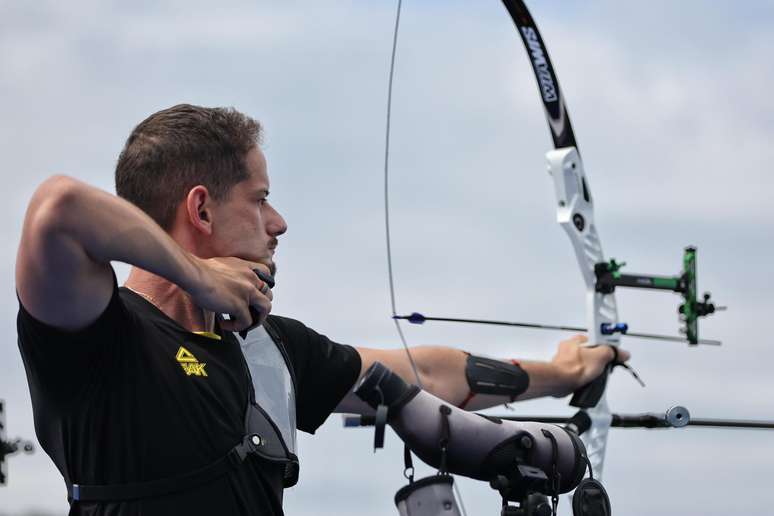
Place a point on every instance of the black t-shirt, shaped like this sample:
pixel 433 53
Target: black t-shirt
pixel 119 402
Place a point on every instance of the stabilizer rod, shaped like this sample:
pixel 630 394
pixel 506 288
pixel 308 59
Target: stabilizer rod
pixel 675 417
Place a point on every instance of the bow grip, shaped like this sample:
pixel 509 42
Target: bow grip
pixel 589 395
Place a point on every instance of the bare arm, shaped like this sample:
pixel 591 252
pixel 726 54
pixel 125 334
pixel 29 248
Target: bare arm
pixel 72 232
pixel 442 372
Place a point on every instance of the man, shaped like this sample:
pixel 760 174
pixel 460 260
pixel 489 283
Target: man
pixel 140 393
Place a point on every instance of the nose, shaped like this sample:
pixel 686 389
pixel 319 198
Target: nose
pixel 276 224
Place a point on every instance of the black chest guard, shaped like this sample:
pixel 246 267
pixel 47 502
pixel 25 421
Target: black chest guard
pixel 262 439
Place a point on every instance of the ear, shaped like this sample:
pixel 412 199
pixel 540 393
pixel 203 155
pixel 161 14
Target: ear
pixel 198 205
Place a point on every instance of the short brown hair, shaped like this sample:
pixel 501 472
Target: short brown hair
pixel 178 148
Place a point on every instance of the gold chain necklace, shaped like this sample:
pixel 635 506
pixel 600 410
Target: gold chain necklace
pixel 205 333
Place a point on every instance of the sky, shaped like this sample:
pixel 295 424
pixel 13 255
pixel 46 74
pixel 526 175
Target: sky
pixel 671 106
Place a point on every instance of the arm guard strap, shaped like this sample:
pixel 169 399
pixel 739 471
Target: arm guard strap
pixel 490 376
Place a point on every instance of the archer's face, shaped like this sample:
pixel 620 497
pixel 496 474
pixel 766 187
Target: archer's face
pixel 245 225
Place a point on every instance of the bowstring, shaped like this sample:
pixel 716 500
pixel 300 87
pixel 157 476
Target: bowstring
pixel 390 275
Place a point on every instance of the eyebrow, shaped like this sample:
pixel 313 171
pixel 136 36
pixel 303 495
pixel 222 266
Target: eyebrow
pixel 263 191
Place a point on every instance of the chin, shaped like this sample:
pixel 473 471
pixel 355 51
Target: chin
pixel 267 261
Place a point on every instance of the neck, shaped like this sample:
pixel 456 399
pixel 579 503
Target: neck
pixel 170 299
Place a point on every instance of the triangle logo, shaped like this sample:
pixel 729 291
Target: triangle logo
pixel 184 356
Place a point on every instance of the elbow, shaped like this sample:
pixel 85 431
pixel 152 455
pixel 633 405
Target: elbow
pixel 426 369
pixel 437 372
pixel 52 204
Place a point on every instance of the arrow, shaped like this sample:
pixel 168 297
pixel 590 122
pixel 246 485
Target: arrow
pixel 417 318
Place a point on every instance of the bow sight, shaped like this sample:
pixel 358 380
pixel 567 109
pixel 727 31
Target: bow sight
pixel 609 277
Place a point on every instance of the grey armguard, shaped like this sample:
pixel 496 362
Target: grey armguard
pixel 478 447
pixel 490 376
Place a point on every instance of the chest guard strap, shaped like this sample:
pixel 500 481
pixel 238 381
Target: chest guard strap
pixel 262 439
pixel 163 486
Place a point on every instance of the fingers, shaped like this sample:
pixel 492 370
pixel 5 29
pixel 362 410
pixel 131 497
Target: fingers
pixel 239 288
pixel 262 271
pixel 265 277
pixel 260 276
pixel 237 321
pixel 253 310
pixel 602 350
pixel 612 354
pixel 623 355
pixel 262 279
pixel 264 289
pixel 618 354
pixel 260 306
pixel 602 354
pixel 573 342
pixel 257 309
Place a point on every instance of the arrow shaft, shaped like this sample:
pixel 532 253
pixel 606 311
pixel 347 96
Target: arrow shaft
pixel 537 326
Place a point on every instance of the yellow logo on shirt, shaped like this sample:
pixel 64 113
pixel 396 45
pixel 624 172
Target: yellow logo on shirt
pixel 188 362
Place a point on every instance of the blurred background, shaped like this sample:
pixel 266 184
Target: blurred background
pixel 672 108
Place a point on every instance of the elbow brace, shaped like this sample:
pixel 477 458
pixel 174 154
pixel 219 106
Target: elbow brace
pixel 469 444
pixel 490 376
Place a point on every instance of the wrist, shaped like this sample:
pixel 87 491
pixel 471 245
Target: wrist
pixel 567 378
pixel 192 273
